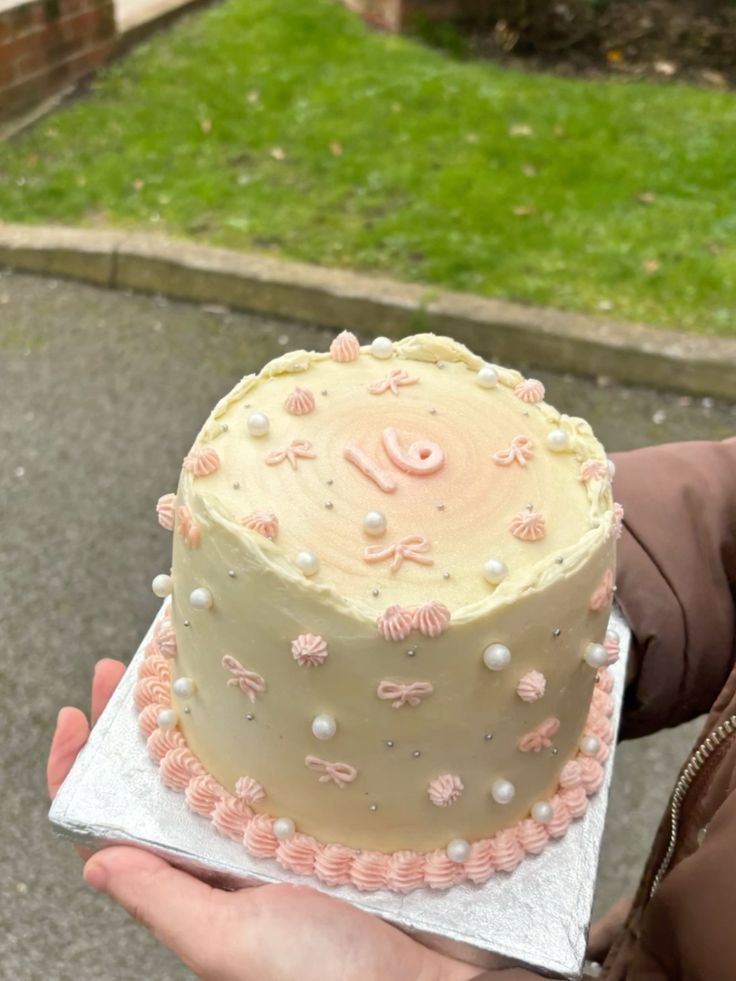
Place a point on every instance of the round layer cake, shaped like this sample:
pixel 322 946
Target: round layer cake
pixel 392 575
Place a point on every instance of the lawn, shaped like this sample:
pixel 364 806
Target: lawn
pixel 288 127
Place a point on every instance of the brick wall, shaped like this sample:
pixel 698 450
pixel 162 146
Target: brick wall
pixel 46 45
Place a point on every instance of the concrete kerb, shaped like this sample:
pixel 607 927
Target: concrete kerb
pixel 508 332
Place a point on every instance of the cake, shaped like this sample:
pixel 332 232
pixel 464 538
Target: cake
pixel 382 656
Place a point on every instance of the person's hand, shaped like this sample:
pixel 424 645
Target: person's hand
pixel 604 930
pixel 265 933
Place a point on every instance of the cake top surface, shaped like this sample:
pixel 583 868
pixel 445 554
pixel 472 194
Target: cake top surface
pixel 402 473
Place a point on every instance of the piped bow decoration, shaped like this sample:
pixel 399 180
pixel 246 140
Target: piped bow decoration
pixel 298 448
pixel 394 379
pixel 404 693
pixel 249 682
pixel 413 547
pixel 337 773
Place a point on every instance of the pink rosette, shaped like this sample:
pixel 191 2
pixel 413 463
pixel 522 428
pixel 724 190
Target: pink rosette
pixel 263 522
pixel 593 470
pixel 151 691
pixel 575 800
pixel 309 650
pixel 155 667
pixel 601 596
pixel 165 638
pixel 202 793
pixel 369 871
pixel 479 867
pixel 507 852
pixel 201 461
pixel 231 816
pixel 148 719
pixel 591 773
pixel 530 390
pixel 179 766
pixel 150 649
pixel 618 520
pixel 532 836
pixel 332 864
pixel 601 702
pixel 300 402
pixel 600 726
pixel 162 741
pixel 297 854
pixel 259 838
pixel 612 647
pixel 440 872
pixel 395 623
pixel 165 507
pixel 405 871
pixel 529 526
pixel 430 619
pixel 560 818
pixel 249 790
pixel 604 681
pixel 186 527
pixel 571 777
pixel 445 789
pixel 532 686
pixel 345 347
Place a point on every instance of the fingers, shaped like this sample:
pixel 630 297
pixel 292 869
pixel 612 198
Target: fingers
pixel 70 735
pixel 104 682
pixel 604 930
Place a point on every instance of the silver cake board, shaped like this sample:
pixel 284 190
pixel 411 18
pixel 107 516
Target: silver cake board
pixel 536 916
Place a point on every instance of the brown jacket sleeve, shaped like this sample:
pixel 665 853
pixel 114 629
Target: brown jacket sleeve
pixel 676 578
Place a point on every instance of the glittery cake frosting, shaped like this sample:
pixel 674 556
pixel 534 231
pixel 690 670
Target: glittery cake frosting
pixel 383 659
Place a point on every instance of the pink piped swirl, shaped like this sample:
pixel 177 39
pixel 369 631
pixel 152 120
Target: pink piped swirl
pixel 618 520
pixel 604 681
pixel 530 390
pixel 532 686
pixel 259 838
pixel 612 645
pixel 591 774
pixel 540 737
pixel 231 816
pixel 150 691
pixel 601 703
pixel 479 867
pixel 507 852
pixel 575 800
pixel 369 870
pixel 264 522
pixel 179 766
pixel 445 789
pixel 186 527
pixel 165 509
pixel 405 871
pixel 155 667
pixel 430 619
pixel 148 719
pixel 600 726
pixel 601 596
pixel 395 623
pixel 593 470
pixel 561 818
pixel 532 836
pixel 165 638
pixel 571 775
pixel 404 693
pixel 345 347
pixel 300 402
pixel 297 854
pixel 332 864
pixel 202 793
pixel 162 741
pixel 529 526
pixel 309 650
pixel 201 461
pixel 249 790
pixel 440 872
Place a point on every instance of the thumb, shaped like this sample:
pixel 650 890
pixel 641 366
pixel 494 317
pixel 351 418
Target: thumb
pixel 188 916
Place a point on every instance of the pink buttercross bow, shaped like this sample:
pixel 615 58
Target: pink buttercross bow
pixel 249 682
pixel 519 451
pixel 404 693
pixel 540 737
pixel 297 448
pixel 412 547
pixel 338 773
pixel 393 380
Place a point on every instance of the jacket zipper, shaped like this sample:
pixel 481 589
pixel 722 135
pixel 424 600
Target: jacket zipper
pixel 694 765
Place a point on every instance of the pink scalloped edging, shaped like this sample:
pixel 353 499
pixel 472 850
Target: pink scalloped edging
pixel 335 864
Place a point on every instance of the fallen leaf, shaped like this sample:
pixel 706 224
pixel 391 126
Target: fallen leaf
pixel 529 170
pixel 646 197
pixel 650 265
pixel 521 129
pixel 336 149
pixel 665 67
pixel 277 153
pixel 205 125
pixel 521 210
pixel 605 305
pixel 614 55
pixel 253 96
pixel 138 184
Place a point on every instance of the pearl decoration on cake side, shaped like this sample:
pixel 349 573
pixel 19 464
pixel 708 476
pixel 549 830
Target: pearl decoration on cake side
pixel 183 687
pixel 458 850
pixel 487 377
pixel 496 657
pixel 162 586
pixel 201 598
pixel 494 571
pixel 166 718
pixel 374 524
pixel 542 812
pixel 558 440
pixel 307 562
pixel 596 655
pixel 258 424
pixel 382 348
pixel 324 726
pixel 502 791
pixel 589 745
pixel 283 828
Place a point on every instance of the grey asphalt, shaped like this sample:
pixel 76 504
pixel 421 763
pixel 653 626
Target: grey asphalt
pixel 100 397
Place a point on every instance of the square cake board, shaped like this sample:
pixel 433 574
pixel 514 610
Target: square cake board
pixel 536 916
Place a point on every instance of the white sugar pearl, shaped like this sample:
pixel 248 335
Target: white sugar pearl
pixel 494 571
pixel 595 655
pixel 201 598
pixel 374 523
pixel 542 812
pixel 589 745
pixel 558 440
pixel 183 687
pixel 162 585
pixel 496 657
pixel 458 850
pixel 166 719
pixel 611 469
pixel 258 424
pixel 324 726
pixel 382 347
pixel 487 377
pixel 283 828
pixel 502 791
pixel 308 563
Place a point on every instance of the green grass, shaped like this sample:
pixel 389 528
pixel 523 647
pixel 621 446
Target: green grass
pixel 431 184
